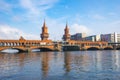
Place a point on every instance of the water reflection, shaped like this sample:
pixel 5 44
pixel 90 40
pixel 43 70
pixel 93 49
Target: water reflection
pixel 67 61
pixel 107 61
pixel 82 60
pixel 45 63
pixel 117 60
pixel 79 65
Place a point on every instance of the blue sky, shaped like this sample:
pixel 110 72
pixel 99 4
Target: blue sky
pixel 25 17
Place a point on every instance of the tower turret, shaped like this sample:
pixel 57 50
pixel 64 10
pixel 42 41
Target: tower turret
pixel 66 35
pixel 44 34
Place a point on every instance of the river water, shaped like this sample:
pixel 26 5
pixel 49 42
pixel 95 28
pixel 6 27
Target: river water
pixel 74 65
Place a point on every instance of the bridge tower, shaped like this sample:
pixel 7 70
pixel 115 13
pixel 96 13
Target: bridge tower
pixel 66 35
pixel 44 34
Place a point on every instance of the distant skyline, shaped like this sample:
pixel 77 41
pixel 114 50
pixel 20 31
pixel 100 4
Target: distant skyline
pixel 25 17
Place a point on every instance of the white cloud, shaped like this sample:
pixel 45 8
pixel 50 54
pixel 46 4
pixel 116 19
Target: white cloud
pixel 35 10
pixel 37 7
pixel 8 32
pixel 76 28
pixel 46 2
pixel 29 6
pixel 98 17
pixel 5 7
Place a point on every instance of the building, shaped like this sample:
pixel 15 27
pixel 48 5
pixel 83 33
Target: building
pixel 93 38
pixel 118 38
pixel 82 36
pixel 90 38
pixel 78 36
pixel 114 37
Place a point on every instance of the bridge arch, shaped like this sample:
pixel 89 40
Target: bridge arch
pixel 93 48
pixel 108 48
pixel 118 48
pixel 43 49
pixel 19 49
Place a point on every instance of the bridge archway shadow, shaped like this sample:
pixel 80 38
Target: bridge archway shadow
pixel 41 49
pixel 108 48
pixel 118 48
pixel 93 48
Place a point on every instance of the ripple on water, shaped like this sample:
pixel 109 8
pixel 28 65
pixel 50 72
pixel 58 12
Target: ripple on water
pixel 74 65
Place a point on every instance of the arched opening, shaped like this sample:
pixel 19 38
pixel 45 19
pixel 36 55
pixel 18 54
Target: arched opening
pixel 11 44
pixel 8 44
pixel 93 48
pixel 108 48
pixel 118 48
pixel 17 44
pixel 41 49
pixel 45 49
pixel 1 44
pixel 12 50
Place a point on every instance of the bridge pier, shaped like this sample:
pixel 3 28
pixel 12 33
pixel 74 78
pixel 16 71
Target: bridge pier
pixel 83 49
pixel 114 47
pixel 28 50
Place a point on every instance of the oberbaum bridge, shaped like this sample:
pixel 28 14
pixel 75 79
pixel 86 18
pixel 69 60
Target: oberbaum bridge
pixel 23 45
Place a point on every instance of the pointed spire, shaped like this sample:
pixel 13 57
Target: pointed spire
pixel 66 24
pixel 66 35
pixel 44 25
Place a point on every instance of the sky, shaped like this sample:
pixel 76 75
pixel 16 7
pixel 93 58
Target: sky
pixel 25 17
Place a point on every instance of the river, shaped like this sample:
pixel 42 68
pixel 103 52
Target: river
pixel 73 65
